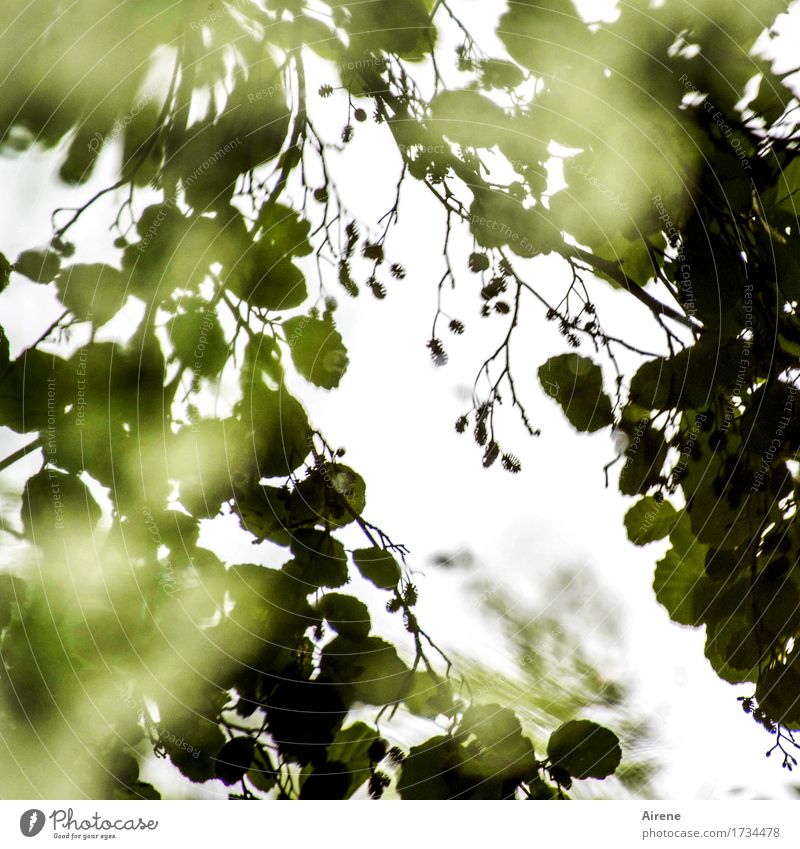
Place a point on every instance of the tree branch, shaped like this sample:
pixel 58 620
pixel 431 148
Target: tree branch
pixel 614 271
pixel 20 453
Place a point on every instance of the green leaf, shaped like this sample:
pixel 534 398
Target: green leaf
pixel 175 252
pixel 269 604
pixel 262 357
pixel 542 792
pixel 262 773
pixel 263 512
pixel 497 219
pixel 429 772
pixel 732 643
pixel 680 581
pixel 39 266
pixel 319 559
pixel 497 73
pixel 644 457
pixel 576 383
pixel 11 594
pixel 788 188
pixel 83 152
pixel 378 566
pixel 351 748
pixel 467 117
pixel 789 346
pixel 778 691
pixel 367 670
pixel 143 151
pixel 192 747
pixel 327 780
pixel 22 383
pixel 271 284
pixel 778 604
pixel 304 717
pixel 5 272
pixel 137 791
pixel 649 520
pixel 305 31
pixel 199 458
pixel 332 493
pixel 346 615
pixel 505 752
pixel 284 232
pixel 653 386
pixel 428 696
pixel 199 341
pixel 276 429
pixel 688 380
pixel 544 36
pixel 234 759
pixel 584 749
pixel 54 502
pixel 96 292
pixel 318 351
pixel 402 29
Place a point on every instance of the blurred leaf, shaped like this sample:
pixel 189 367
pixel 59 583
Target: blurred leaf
pixel 467 117
pixel 23 384
pixel 54 501
pixel 39 266
pixel 200 459
pixel 199 341
pixel 276 429
pixel 11 594
pixel 498 73
pixel 94 292
pixel 404 29
pixel 142 150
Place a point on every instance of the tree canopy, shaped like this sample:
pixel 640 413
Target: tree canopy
pixel 655 154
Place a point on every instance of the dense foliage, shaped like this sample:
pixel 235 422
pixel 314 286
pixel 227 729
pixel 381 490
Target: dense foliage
pixel 678 148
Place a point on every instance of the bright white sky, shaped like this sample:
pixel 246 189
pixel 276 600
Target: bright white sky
pixel 426 487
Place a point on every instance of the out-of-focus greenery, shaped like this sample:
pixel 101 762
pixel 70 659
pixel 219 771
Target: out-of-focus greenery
pixel 558 678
